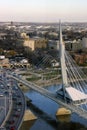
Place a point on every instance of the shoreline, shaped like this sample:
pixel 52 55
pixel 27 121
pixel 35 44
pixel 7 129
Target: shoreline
pixel 44 83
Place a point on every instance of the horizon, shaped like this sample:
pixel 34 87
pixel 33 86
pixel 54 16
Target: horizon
pixel 43 11
pixel 43 22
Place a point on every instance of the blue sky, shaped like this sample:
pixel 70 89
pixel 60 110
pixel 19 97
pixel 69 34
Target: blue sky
pixel 43 10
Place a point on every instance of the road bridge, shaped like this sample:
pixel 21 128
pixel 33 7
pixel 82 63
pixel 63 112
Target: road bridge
pixel 52 96
pixel 75 92
pixel 73 95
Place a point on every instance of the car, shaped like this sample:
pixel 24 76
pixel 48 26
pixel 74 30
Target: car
pixel 17 115
pixel 14 98
pixel 18 96
pixel 1 95
pixel 19 109
pixel 10 122
pixel 15 109
pixel 16 88
pixel 7 127
pixel 6 92
pixel 12 128
pixel 19 103
pixel 2 86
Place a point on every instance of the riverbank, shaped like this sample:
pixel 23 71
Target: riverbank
pixel 44 83
pixel 41 83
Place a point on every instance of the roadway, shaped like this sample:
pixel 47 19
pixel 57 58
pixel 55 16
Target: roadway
pixel 12 103
pixel 16 116
pixel 52 96
pixel 5 104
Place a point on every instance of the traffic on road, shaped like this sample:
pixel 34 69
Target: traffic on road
pixel 12 103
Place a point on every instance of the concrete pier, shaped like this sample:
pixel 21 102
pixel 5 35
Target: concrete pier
pixel 29 120
pixel 63 115
pixel 28 116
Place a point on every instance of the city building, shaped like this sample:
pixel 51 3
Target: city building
pixel 80 58
pixel 84 43
pixel 24 36
pixel 35 43
pixel 2 35
pixel 53 44
pixel 4 62
pixel 73 45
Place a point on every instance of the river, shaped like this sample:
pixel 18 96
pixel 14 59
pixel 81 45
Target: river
pixel 50 108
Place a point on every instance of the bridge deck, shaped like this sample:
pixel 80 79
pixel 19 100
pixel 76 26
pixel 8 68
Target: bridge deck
pixel 81 112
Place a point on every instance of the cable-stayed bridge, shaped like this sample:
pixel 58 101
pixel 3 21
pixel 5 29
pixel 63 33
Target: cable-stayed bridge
pixel 74 108
pixel 73 92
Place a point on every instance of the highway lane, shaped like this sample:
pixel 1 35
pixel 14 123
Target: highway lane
pixel 11 110
pixel 16 116
pixel 4 102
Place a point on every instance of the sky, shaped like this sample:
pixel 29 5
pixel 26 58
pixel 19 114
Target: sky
pixel 43 10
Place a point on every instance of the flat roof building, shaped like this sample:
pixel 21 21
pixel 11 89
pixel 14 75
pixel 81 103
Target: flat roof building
pixel 35 43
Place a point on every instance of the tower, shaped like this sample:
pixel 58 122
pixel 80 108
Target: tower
pixel 62 58
pixel 68 92
pixel 62 64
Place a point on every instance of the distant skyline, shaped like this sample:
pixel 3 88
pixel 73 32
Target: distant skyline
pixel 43 10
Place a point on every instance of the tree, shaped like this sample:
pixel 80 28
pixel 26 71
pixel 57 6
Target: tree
pixel 11 53
pixel 1 51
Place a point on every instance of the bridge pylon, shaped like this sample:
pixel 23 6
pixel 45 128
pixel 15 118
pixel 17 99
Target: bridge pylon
pixel 66 91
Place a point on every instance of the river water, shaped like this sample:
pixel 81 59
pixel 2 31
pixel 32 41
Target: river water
pixel 50 108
